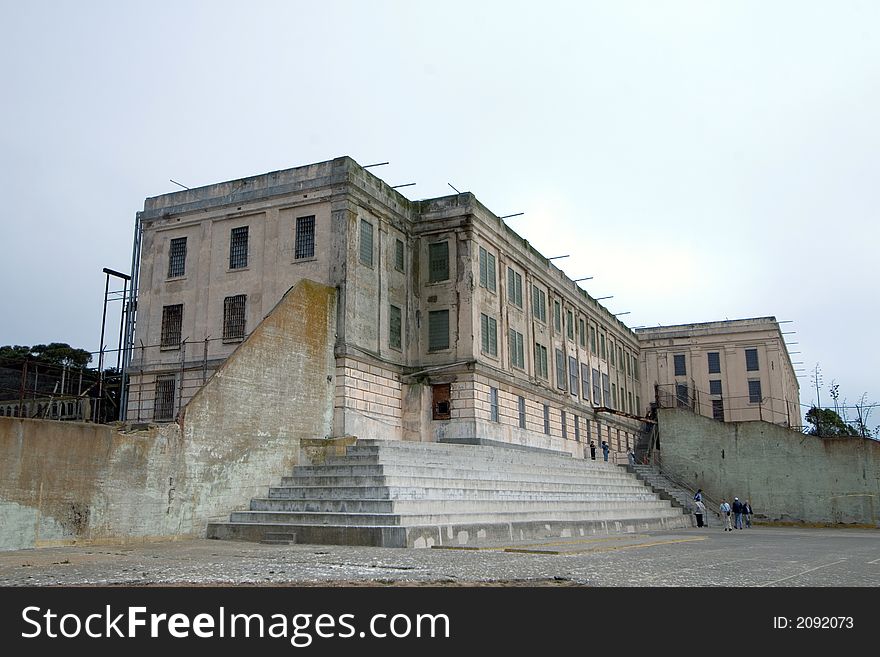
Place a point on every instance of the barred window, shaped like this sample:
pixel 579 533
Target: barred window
pixel 238 248
pixel 489 334
pixel 177 257
pixel 585 381
pixel 163 404
pixel 560 369
pixel 679 364
pixel 752 360
pixel 514 287
pixel 438 330
pixel 715 387
pixel 487 270
pixel 539 304
pixel 399 261
pixel 682 395
pixel 564 428
pixel 546 419
pixel 234 317
pixel 395 328
pixel 366 243
pixel 521 406
pixel 517 355
pixel 577 428
pixel 438 262
pixel 304 247
pixel 172 323
pixel 573 375
pixel 541 361
pixel 718 410
pixel 714 362
pixel 493 404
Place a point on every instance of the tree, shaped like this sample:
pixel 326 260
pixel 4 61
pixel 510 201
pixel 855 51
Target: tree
pixel 59 354
pixel 826 422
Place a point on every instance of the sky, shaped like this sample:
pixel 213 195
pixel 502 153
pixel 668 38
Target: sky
pixel 701 160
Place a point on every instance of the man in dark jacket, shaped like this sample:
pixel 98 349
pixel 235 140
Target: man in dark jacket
pixel 737 513
pixel 592 450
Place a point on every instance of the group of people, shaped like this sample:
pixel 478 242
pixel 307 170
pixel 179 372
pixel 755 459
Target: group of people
pixel 741 511
pixel 605 450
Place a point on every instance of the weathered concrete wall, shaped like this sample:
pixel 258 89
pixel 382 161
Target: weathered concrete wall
pixel 64 483
pixel 786 475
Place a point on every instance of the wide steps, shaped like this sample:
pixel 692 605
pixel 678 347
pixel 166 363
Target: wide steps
pixel 421 494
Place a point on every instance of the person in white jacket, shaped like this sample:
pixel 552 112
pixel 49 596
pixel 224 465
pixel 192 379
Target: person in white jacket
pixel 725 516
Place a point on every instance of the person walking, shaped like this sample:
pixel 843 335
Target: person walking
pixel 605 450
pixel 592 450
pixel 631 456
pixel 699 510
pixel 698 496
pixel 747 512
pixel 737 513
pixel 725 516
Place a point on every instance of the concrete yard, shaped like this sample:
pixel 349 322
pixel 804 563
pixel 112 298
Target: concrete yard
pixel 761 556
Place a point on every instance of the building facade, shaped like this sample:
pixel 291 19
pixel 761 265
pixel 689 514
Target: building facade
pixel 450 326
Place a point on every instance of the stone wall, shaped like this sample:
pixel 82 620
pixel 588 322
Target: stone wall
pixel 63 483
pixel 786 475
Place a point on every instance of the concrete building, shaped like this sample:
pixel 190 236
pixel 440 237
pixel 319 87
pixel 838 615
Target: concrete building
pixel 731 371
pixel 450 327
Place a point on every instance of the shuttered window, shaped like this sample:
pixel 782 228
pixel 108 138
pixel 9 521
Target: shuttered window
pixel 597 389
pixel 399 260
pixel 560 369
pixel 487 270
pixel 585 381
pixel 606 390
pixel 539 304
pixel 557 315
pixel 366 243
pixel 541 361
pixel 438 330
pixel 514 287
pixel 489 335
pixel 582 337
pixel 438 262
pixel 515 345
pixel 569 324
pixel 572 375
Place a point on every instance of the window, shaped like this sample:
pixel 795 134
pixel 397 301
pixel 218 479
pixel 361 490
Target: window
pixel 438 262
pixel 557 315
pixel 577 428
pixel 620 358
pixel 751 360
pixel 172 322
pixel 546 419
pixel 573 376
pixel 606 390
pixel 487 270
pixel 177 257
pixel 366 243
pixel 582 338
pixel 718 410
pixel 715 387
pixel 560 369
pixel 682 395
pixel 234 317
pixel 679 365
pixel 585 381
pixel 612 359
pixel 569 325
pixel 489 334
pixel 539 304
pixel 163 405
pixel 514 288
pixel 593 339
pixel 638 405
pixel 755 391
pixel 714 362
pixel 564 428
pixel 304 245
pixel 493 404
pixel 438 330
pixel 395 329
pixel 597 389
pixel 541 361
pixel 521 407
pixel 589 434
pixel 613 396
pixel 628 363
pixel 238 248
pixel 602 346
pixel 629 402
pixel 635 368
pixel 515 344
pixel 399 256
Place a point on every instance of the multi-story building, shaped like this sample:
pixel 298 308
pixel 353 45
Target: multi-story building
pixel 450 326
pixel 732 370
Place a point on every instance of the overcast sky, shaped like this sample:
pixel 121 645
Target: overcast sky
pixel 702 160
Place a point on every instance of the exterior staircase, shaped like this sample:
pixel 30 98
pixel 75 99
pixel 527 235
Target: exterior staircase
pixel 666 489
pixel 404 494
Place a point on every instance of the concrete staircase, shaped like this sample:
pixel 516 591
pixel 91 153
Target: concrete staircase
pixel 402 494
pixel 667 489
